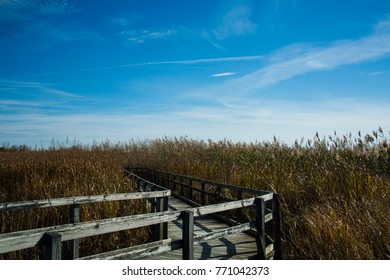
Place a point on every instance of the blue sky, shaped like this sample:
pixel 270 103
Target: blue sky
pixel 240 70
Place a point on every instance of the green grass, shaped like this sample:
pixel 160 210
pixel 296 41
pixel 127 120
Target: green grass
pixel 335 192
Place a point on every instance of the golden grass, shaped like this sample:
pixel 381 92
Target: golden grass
pixel 28 175
pixel 334 192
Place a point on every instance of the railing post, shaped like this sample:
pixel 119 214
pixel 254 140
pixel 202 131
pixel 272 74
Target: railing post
pixel 52 243
pixel 75 243
pixel 190 190
pixel 188 234
pixel 153 201
pixel 240 215
pixel 181 187
pixel 203 194
pixel 161 230
pixel 260 228
pixel 165 225
pixel 277 228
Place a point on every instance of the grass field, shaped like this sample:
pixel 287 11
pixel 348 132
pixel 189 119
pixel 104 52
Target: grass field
pixel 335 192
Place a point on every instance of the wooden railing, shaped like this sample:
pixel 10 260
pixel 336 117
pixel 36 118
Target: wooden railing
pixel 155 186
pixel 264 220
pixel 51 237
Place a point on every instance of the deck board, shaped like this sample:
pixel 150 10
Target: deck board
pixel 236 246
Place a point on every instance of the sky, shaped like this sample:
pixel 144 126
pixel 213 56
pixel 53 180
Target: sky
pixel 84 71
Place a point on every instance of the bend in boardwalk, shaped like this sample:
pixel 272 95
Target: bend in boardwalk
pixel 234 246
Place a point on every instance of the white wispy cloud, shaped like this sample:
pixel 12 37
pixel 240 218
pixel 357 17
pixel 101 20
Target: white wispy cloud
pixel 28 87
pixel 299 59
pixel 376 73
pixel 384 25
pixel 28 9
pixel 236 22
pixel 139 37
pixel 247 121
pixel 125 21
pixel 167 62
pixel 224 74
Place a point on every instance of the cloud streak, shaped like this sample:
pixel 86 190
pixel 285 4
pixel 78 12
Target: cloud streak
pixel 170 62
pixel 224 74
pixel 28 9
pixel 299 59
pixel 15 86
pixel 140 37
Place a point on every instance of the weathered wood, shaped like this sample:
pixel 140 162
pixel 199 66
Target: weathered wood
pixel 260 227
pixel 161 229
pixel 159 188
pixel 13 206
pixel 215 208
pixel 203 189
pixel 188 234
pixel 239 213
pixel 75 243
pixel 52 243
pixel 190 190
pixel 277 228
pixel 222 233
pixel 30 238
pixel 164 230
pixel 216 184
pixel 139 251
pixel 236 246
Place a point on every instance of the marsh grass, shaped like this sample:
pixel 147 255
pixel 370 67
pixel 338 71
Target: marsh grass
pixel 31 174
pixel 334 191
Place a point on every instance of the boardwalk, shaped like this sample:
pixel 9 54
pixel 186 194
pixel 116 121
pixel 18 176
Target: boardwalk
pixel 180 231
pixel 236 246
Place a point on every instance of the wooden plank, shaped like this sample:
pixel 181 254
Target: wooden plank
pixel 215 208
pixel 232 246
pixel 222 233
pixel 139 251
pixel 30 238
pixel 13 206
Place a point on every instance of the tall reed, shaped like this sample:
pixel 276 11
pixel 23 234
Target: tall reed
pixel 334 191
pixel 58 172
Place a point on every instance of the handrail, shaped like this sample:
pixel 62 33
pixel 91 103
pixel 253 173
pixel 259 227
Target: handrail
pixel 270 212
pixel 21 205
pixel 51 237
pixel 217 184
pixel 31 238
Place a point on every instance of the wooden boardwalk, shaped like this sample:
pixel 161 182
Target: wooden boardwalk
pixel 235 246
pixel 180 231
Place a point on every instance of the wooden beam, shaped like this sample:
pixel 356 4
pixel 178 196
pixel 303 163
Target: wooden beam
pixel 277 228
pixel 260 227
pixel 222 233
pixel 75 243
pixel 188 234
pixel 13 206
pixel 52 243
pixel 30 238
